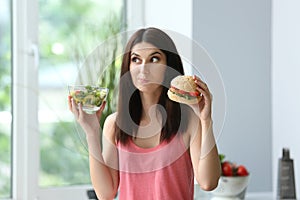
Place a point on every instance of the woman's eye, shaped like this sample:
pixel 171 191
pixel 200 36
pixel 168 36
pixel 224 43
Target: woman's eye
pixel 135 59
pixel 154 59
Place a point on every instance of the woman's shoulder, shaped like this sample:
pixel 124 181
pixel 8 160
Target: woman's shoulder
pixel 109 127
pixel 111 118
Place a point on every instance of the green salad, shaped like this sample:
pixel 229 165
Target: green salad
pixel 89 96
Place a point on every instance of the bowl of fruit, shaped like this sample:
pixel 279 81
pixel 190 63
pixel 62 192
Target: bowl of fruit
pixel 233 181
pixel 91 97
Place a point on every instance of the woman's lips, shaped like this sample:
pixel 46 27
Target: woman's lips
pixel 143 80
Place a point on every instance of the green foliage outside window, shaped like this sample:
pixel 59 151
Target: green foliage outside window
pixel 5 101
pixel 79 27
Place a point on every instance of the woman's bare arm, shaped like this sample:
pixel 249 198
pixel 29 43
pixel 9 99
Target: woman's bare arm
pixel 203 148
pixel 204 154
pixel 104 164
pixel 102 154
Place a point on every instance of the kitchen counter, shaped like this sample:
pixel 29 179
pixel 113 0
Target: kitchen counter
pixel 260 196
pixel 250 196
pixel 201 195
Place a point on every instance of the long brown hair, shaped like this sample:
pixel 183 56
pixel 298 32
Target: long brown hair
pixel 129 103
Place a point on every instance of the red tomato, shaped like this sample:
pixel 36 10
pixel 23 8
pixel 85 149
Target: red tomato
pixel 242 171
pixel 181 91
pixel 227 169
pixel 77 92
pixel 194 94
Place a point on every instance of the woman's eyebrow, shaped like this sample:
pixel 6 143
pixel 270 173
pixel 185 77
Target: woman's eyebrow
pixel 156 52
pixel 134 54
pixel 153 53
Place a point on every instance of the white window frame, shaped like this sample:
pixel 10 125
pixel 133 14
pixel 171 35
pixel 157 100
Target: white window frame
pixel 25 83
pixel 135 14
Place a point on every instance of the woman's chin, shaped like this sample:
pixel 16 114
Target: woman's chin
pixel 149 88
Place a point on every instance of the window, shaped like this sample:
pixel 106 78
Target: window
pixel 75 29
pixel 68 31
pixel 50 41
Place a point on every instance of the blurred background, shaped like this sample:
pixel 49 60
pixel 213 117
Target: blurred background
pixel 43 43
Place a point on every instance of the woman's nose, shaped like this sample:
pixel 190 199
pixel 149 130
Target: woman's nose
pixel 144 68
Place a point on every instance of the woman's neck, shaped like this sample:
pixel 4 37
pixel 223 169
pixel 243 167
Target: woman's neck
pixel 151 120
pixel 149 100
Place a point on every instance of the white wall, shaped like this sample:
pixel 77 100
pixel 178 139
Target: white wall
pixel 173 16
pixel 237 36
pixel 286 83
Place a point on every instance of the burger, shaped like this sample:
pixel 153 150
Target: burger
pixel 183 90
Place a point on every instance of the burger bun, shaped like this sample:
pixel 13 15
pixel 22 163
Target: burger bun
pixel 185 85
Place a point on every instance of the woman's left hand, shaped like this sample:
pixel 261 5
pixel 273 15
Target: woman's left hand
pixel 203 108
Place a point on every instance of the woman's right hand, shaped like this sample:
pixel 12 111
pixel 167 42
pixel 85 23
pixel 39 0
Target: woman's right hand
pixel 89 122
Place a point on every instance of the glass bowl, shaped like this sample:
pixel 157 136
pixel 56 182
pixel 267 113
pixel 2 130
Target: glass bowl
pixel 91 97
pixel 231 187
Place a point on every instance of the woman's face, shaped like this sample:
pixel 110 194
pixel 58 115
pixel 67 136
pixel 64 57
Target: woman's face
pixel 147 67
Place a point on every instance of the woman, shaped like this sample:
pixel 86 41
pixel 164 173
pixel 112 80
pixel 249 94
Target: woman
pixel 152 147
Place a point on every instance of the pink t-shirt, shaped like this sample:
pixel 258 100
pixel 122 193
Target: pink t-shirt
pixel 158 173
